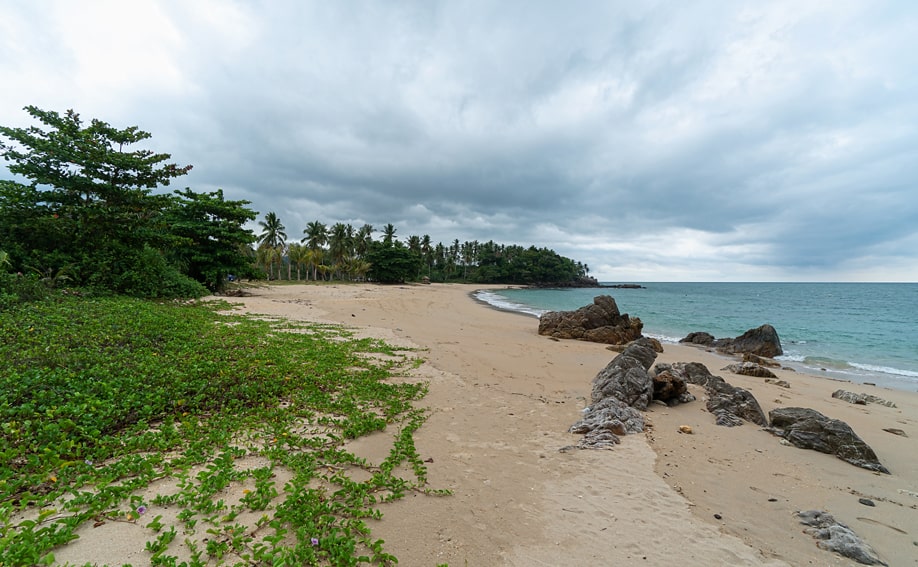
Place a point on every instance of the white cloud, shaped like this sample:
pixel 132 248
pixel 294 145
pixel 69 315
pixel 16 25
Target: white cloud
pixel 653 141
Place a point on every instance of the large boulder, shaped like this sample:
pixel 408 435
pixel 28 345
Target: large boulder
pixel 808 429
pixel 761 341
pixel 626 377
pixel 600 322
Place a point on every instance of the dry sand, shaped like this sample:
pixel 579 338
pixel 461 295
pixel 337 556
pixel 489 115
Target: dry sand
pixel 501 401
pixel 502 398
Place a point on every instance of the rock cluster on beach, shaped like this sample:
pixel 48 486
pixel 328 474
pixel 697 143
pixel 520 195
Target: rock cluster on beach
pixel 762 341
pixel 600 322
pixel 621 391
pixel 627 386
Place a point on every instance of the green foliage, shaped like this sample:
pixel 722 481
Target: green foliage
pixel 90 209
pixel 392 263
pixel 101 397
pixel 209 235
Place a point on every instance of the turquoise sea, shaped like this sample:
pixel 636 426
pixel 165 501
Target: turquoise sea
pixel 862 332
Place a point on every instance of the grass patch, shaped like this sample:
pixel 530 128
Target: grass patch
pixel 121 410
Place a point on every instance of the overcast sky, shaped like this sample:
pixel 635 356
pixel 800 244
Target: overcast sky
pixel 651 140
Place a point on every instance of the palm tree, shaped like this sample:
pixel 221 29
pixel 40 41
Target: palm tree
pixel 363 239
pixel 296 254
pixel 388 233
pixel 316 235
pixel 426 251
pixel 272 232
pixel 273 236
pixel 338 244
pixel 266 256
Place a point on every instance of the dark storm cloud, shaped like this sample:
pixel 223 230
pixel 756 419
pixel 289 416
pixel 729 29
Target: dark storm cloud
pixel 652 140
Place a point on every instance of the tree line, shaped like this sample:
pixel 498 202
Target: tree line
pixel 94 216
pixel 343 252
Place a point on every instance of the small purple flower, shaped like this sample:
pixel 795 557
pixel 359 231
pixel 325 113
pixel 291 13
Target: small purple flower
pixel 88 462
pixel 141 510
pixel 315 541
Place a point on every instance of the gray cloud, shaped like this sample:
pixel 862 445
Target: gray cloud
pixel 652 140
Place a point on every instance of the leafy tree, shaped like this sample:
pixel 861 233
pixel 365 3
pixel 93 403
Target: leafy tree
pixel 209 236
pixel 90 207
pixel 392 262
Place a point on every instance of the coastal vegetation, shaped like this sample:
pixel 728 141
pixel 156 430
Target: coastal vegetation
pixel 223 438
pixel 93 216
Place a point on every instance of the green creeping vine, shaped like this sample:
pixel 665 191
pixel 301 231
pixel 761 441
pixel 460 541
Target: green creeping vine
pixel 114 408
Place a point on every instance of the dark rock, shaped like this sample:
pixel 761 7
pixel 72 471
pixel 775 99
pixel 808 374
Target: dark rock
pixel 729 404
pixel 626 377
pixel 782 383
pixel 850 397
pixel 604 421
pixel 750 369
pixel 698 338
pixel 895 431
pixel 625 286
pixel 600 322
pixel 761 341
pixel 760 360
pixel 867 502
pixel 808 429
pixel 667 386
pixel 657 346
pixel 861 399
pixel 837 537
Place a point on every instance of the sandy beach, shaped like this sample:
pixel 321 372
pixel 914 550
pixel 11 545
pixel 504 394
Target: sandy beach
pixel 502 398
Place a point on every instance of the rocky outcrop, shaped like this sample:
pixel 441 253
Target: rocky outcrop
pixel 699 338
pixel 861 399
pixel 620 391
pixel 808 429
pixel 600 322
pixel 762 341
pixel 731 406
pixel 626 377
pixel 669 387
pixel 834 536
pixel 750 369
pixel 760 360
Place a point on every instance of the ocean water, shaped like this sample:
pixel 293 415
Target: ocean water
pixel 862 332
